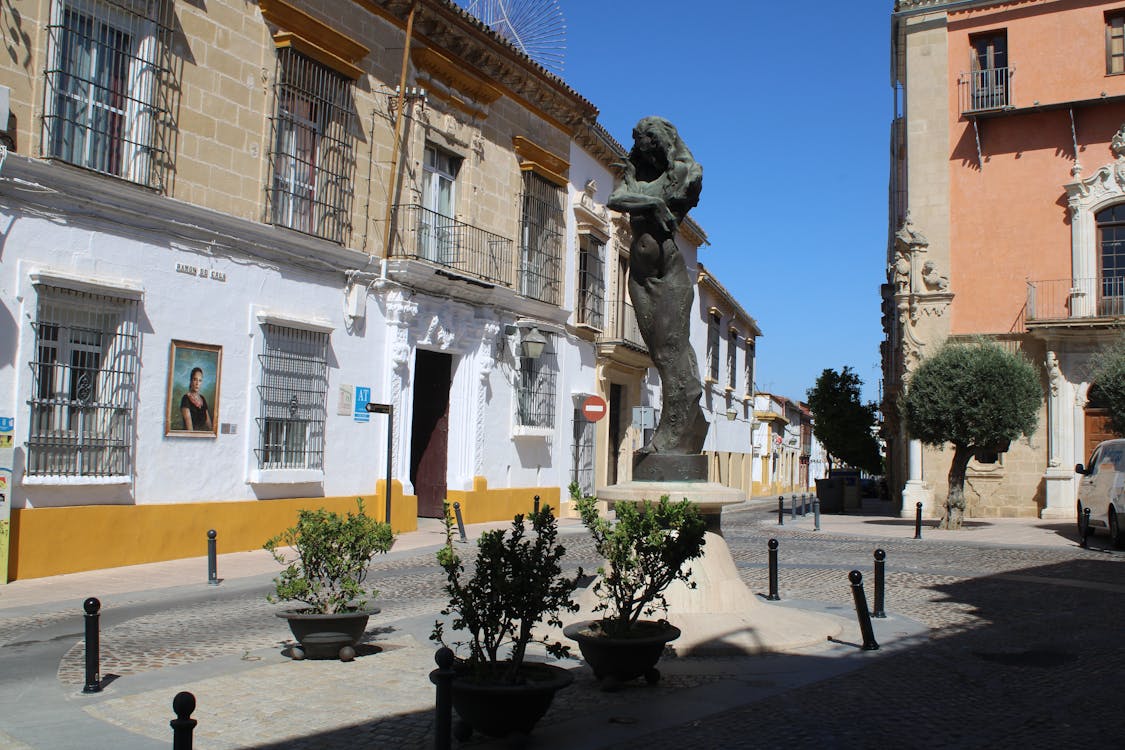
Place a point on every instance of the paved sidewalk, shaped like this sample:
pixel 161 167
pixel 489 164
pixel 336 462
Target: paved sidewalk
pixel 165 630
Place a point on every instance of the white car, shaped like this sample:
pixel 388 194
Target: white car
pixel 1102 490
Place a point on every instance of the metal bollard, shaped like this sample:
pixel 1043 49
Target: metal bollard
pixel 93 656
pixel 1085 527
pixel 460 522
pixel 816 513
pixel 442 677
pixel 880 582
pixel 804 505
pixel 773 597
pixel 793 508
pixel 536 505
pixel 183 725
pixel 918 520
pixel 212 560
pixel 781 511
pixel 861 612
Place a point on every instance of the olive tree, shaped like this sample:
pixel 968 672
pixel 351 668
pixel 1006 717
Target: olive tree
pixel 842 423
pixel 977 396
pixel 1108 374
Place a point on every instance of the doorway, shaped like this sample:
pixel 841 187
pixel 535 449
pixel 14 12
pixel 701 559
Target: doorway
pixel 616 431
pixel 1096 422
pixel 429 433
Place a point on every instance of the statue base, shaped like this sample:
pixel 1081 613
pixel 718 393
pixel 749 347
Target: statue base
pixel 669 467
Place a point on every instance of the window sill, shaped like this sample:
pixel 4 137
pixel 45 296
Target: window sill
pixel 286 476
pixel 58 480
pixel 526 431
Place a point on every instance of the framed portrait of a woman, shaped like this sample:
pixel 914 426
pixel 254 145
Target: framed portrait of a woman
pixel 194 373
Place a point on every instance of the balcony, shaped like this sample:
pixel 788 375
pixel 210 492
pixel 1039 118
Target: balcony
pixel 422 234
pixel 985 90
pixel 621 340
pixel 1070 299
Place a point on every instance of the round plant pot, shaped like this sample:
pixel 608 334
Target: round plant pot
pixel 623 658
pixel 499 709
pixel 324 636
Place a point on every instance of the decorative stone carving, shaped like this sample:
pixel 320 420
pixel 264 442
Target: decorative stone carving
pixel 1054 373
pixel 1117 144
pixel 934 281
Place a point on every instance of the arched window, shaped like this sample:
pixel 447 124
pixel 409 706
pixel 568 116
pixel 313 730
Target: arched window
pixel 1111 260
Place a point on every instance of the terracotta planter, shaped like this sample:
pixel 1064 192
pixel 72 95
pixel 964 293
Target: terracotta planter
pixel 502 709
pixel 325 636
pixel 616 659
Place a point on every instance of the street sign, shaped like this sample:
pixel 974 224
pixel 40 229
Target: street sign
pixel 594 408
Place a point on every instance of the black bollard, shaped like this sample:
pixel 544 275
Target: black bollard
pixel 460 523
pixel 442 677
pixel 1085 526
pixel 918 520
pixel 536 505
pixel 773 597
pixel 816 513
pixel 183 725
pixel 781 511
pixel 212 560
pixel 880 582
pixel 93 678
pixel 804 505
pixel 793 508
pixel 861 612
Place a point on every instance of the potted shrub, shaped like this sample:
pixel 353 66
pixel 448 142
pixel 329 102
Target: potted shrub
pixel 645 551
pixel 327 575
pixel 517 582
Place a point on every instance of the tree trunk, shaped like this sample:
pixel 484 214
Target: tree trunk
pixel 955 501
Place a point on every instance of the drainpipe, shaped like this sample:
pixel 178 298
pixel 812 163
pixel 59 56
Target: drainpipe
pixel 397 145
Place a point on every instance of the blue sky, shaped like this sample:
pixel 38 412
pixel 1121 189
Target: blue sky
pixel 788 108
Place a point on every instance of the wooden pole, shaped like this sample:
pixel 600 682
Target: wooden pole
pixel 396 146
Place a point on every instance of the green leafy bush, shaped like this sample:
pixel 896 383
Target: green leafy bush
pixel 517 582
pixel 645 550
pixel 332 555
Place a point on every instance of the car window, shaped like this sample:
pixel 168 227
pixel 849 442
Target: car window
pixel 1095 459
pixel 1116 453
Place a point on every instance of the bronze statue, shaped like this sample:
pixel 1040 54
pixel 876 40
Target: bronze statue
pixel 660 183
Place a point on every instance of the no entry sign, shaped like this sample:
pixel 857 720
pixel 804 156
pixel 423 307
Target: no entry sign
pixel 594 408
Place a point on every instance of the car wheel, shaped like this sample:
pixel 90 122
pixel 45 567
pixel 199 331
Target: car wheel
pixel 1116 537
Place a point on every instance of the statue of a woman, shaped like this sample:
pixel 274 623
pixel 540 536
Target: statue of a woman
pixel 660 183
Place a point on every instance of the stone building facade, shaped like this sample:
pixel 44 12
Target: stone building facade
pixel 1004 183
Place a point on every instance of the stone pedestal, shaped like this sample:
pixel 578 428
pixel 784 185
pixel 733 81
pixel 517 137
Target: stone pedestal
pixel 720 615
pixel 1060 495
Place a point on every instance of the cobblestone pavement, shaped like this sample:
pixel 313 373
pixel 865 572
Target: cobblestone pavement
pixel 1023 649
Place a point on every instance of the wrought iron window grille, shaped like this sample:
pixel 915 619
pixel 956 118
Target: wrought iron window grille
pixel 541 238
pixel 293 393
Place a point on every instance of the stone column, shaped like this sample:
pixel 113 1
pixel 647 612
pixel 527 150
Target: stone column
pixel 916 489
pixel 1059 477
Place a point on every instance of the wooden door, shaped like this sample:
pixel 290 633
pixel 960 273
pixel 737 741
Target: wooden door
pixel 429 435
pixel 1097 430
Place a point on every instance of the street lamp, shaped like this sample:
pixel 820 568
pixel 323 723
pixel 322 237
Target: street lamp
pixel 532 344
pixel 389 410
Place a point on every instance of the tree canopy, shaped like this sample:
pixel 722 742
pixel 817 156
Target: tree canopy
pixel 842 423
pixel 1108 377
pixel 977 396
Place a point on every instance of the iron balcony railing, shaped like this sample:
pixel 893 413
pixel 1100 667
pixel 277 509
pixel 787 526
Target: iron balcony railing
pixel 623 327
pixel 984 90
pixel 423 234
pixel 1061 299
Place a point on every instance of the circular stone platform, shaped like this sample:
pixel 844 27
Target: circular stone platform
pixel 720 615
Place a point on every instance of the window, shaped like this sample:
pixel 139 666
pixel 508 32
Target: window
pixel 1115 43
pixel 748 367
pixel 293 392
pixel 106 101
pixel 591 284
pixel 732 359
pixel 535 388
pixel 437 230
pixel 541 238
pixel 313 157
pixel 1111 260
pixel 582 453
pixel 84 385
pixel 989 86
pixel 713 347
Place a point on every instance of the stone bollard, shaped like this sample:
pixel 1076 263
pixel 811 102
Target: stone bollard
pixel 880 582
pixel 212 559
pixel 442 678
pixel 183 725
pixel 773 597
pixel 93 677
pixel 861 612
